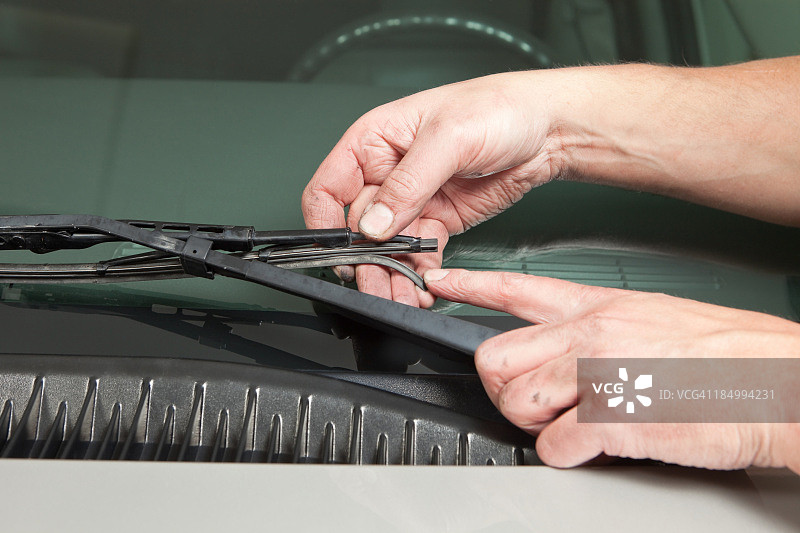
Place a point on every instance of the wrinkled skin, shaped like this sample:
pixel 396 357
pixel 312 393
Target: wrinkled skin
pixel 445 167
pixel 441 161
pixel 530 374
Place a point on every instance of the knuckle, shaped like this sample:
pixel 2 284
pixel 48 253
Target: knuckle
pixel 510 287
pixel 483 357
pixel 312 206
pixel 368 121
pixel 458 130
pixel 485 361
pixel 441 122
pixel 605 318
pixel 586 296
pixel 309 196
pixel 404 186
pixel 463 283
pixel 516 404
pixel 612 314
pixel 598 323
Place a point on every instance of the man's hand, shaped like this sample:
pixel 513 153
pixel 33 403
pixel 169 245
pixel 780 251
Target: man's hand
pixel 531 373
pixel 438 162
pixel 433 164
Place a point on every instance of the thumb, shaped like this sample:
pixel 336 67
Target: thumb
pixel 430 162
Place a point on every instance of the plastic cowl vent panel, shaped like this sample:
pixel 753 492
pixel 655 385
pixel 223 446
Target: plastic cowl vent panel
pixel 165 409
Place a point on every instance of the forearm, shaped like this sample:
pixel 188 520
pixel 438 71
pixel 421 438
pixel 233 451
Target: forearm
pixel 728 137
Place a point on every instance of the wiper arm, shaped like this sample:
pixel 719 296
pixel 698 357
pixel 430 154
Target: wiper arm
pixel 44 238
pixel 288 249
pixel 199 252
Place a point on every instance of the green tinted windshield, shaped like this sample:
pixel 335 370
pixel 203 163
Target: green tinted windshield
pixel 406 43
pixel 219 111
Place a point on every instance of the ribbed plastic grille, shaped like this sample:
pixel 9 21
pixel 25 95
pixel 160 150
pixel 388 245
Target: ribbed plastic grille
pixel 113 408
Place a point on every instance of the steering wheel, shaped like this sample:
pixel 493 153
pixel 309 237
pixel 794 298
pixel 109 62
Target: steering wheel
pixel 522 43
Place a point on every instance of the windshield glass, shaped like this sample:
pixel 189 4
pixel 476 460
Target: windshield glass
pixel 405 43
pixel 218 112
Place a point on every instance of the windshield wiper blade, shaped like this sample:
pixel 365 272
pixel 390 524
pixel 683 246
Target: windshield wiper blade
pixel 203 257
pixel 157 265
pixel 289 249
pixel 44 238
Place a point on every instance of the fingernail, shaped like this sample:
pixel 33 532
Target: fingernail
pixel 376 220
pixel 435 274
pixel 346 273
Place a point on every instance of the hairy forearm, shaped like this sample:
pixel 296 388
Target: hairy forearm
pixel 727 137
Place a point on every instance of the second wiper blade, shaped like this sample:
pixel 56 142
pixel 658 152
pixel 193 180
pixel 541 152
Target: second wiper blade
pixel 153 266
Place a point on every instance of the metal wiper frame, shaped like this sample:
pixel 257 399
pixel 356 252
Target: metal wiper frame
pixel 288 249
pixel 198 250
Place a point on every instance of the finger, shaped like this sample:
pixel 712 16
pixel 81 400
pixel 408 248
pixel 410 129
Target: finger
pixel 566 443
pixel 430 161
pixel 426 299
pixel 430 228
pixel 403 289
pixel 533 298
pixel 334 185
pixel 532 399
pixel 347 272
pixel 505 357
pixel 360 202
pixel 374 279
